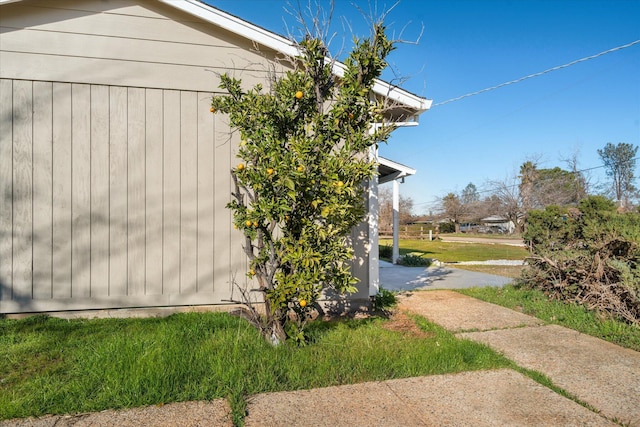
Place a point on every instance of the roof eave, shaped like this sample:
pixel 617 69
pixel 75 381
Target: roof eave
pixel 283 45
pixel 289 48
pixel 399 170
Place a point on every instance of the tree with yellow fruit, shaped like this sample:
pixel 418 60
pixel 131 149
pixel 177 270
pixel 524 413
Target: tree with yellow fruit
pixel 299 189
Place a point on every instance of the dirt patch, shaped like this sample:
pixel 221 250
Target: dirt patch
pixel 401 322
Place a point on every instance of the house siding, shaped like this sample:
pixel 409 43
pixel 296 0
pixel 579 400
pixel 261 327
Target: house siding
pixel 145 44
pixel 112 192
pixel 114 175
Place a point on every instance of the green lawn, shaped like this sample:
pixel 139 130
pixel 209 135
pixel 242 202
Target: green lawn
pixel 454 251
pixel 51 365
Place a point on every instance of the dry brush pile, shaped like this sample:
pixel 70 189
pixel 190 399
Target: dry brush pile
pixel 589 255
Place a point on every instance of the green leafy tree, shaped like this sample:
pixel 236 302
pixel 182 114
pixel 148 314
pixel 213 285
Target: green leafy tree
pixel 620 163
pixel 299 185
pixel 470 194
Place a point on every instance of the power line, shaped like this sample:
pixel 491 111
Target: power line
pixel 537 74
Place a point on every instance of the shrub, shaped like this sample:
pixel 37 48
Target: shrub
pixel 413 260
pixel 447 227
pixel 385 251
pixel 589 255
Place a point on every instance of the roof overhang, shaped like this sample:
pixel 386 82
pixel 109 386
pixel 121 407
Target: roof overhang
pixel 388 170
pixel 407 106
pixel 231 23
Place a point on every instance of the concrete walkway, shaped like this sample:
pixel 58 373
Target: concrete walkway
pixel 602 375
pixel 400 278
pixel 596 372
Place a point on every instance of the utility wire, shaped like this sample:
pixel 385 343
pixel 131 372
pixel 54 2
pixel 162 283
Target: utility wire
pixel 530 76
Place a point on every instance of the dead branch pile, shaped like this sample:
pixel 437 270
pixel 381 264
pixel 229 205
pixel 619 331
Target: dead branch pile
pixel 592 260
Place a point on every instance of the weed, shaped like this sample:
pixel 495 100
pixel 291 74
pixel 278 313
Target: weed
pixel 384 300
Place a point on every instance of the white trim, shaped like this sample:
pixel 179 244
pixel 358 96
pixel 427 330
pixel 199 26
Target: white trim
pixel 287 47
pixel 374 251
pixel 235 25
pixel 281 44
pixel 401 171
pixel 392 92
pixel 406 170
pixel 396 221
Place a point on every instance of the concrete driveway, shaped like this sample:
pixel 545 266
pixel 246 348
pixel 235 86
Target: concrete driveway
pixel 489 240
pixel 400 278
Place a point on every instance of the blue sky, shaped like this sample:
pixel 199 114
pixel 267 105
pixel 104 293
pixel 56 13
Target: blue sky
pixel 470 45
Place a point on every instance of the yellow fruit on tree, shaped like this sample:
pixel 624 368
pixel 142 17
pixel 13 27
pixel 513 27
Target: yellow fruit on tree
pixel 299 94
pixel 300 168
pixel 303 303
pixel 270 171
pixel 255 223
pixel 247 223
pixel 240 166
pixel 213 110
pixel 340 184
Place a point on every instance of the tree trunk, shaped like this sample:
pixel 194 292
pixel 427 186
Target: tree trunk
pixel 274 331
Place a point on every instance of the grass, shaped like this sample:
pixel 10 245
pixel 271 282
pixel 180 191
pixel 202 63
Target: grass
pixel 454 251
pixel 54 366
pixel 574 316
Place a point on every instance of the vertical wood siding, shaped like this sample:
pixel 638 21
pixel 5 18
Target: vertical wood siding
pixel 114 175
pixel 113 197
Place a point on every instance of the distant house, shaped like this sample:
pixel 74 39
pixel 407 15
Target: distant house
pixel 497 224
pixel 114 175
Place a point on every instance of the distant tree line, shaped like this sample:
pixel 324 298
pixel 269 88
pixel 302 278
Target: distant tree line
pixel 535 188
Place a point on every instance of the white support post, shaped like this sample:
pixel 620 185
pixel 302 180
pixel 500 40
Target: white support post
pixel 374 273
pixel 396 221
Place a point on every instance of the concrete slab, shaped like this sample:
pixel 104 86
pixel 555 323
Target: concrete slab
pixel 481 398
pixel 456 312
pixel 597 372
pixel 400 278
pixel 184 414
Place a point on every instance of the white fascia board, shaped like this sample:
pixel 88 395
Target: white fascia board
pixel 405 170
pixel 287 47
pixel 235 25
pixel 392 92
pixel 282 45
